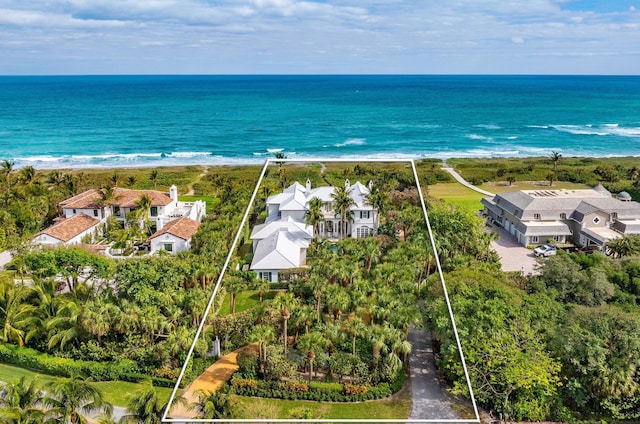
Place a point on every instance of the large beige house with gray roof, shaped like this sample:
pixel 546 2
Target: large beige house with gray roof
pixel 589 218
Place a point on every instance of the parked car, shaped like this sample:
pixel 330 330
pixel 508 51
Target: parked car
pixel 545 250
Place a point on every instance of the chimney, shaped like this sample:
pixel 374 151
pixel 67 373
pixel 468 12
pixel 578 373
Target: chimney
pixel 347 184
pixel 173 193
pixel 308 185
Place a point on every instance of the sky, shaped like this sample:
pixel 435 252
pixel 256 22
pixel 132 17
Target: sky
pixel 78 37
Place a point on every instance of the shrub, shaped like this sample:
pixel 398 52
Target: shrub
pixel 355 389
pixel 238 382
pixel 65 367
pixel 294 386
pixel 326 387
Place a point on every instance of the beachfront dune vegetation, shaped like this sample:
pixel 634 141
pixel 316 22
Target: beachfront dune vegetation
pixel 563 344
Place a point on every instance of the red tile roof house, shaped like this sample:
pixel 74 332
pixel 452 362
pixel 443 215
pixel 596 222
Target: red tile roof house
pixel 165 208
pixel 175 236
pixel 68 231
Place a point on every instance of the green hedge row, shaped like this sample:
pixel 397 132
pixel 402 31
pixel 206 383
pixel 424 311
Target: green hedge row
pixel 125 370
pixel 275 390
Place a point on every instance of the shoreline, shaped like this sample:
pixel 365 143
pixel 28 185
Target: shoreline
pixel 38 165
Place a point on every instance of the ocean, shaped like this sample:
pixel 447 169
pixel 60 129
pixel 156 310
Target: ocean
pixel 135 121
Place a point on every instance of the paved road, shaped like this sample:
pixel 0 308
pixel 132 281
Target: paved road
pixel 464 182
pixel 430 400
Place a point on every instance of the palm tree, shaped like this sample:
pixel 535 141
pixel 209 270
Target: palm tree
pixel 70 398
pixel 64 327
pixel 28 176
pixel 131 180
pixel 310 344
pixel 284 302
pixel 550 177
pixel 115 179
pixel 19 402
pixel 6 167
pixel 372 251
pixel 233 284
pixel 153 177
pixel 318 286
pixel 354 327
pixel 337 300
pixel 555 158
pixel 314 216
pixel 342 203
pixel 262 334
pixel 143 206
pixel 97 317
pixel 15 314
pixel 213 405
pixel 379 201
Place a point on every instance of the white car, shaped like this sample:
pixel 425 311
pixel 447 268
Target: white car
pixel 545 250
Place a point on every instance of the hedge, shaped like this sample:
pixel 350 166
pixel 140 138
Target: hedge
pixel 125 369
pixel 314 392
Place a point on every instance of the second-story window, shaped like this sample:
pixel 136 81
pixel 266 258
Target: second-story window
pixel 154 211
pixel 536 216
pixel 116 210
pixel 365 214
pixel 563 215
pixel 95 212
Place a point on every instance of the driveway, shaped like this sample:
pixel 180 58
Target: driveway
pixel 513 256
pixel 430 400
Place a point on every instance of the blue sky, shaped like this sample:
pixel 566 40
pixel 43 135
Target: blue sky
pixel 319 36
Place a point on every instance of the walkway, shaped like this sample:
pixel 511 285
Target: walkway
pixel 428 395
pixel 209 381
pixel 464 182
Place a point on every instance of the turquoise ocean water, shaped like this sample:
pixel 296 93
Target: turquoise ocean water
pixel 93 121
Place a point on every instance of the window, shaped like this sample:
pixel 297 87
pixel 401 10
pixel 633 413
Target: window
pixel 536 216
pixel 116 210
pixel 265 276
pixel 614 215
pixel 330 226
pixel 364 232
pixel 95 212
pixel 168 247
pixel 563 215
pixel 517 213
pixel 365 214
pixel 596 220
pixel 534 239
pixel 154 211
pixel 74 211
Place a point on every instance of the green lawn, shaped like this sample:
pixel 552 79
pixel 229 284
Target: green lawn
pixel 398 407
pixel 114 392
pixel 245 300
pixel 210 200
pixel 457 194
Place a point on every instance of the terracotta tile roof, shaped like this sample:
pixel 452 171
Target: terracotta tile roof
pixel 71 227
pixel 85 200
pixel 181 227
pixel 122 197
pixel 127 198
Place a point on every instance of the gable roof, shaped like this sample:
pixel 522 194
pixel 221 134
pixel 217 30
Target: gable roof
pixel 123 197
pixel 298 228
pixel 183 228
pixel 280 250
pixel 71 227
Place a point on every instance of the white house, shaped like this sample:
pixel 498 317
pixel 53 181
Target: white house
pixel 165 208
pixel 68 231
pixel 282 241
pixel 175 236
pixel 294 202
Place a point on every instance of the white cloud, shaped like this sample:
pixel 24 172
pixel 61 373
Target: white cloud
pixel 313 36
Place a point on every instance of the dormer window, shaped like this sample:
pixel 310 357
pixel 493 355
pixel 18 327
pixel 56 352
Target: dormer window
pixel 614 215
pixel 563 215
pixel 536 216
pixel 596 220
